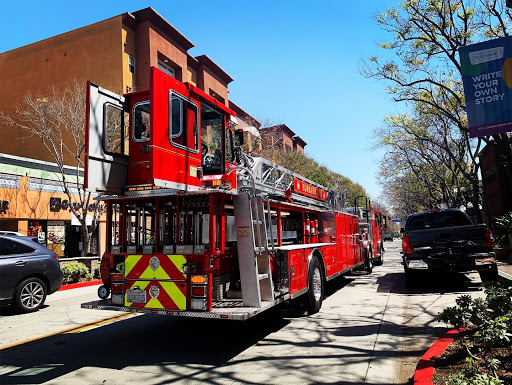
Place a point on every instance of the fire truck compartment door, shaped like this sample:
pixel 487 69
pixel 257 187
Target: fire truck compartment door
pixel 106 166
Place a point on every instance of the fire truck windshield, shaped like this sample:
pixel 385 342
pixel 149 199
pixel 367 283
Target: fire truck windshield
pixel 211 140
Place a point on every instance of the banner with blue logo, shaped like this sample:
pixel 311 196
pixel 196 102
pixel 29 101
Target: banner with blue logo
pixel 487 79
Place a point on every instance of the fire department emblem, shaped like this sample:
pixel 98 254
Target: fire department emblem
pixel 154 263
pixel 154 291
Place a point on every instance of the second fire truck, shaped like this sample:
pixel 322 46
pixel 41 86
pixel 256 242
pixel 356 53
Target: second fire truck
pixel 194 227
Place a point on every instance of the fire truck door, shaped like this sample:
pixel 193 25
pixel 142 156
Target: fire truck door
pixel 106 141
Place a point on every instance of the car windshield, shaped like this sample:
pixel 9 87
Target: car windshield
pixel 438 220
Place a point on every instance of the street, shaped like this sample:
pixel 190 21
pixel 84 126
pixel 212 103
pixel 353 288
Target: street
pixel 370 329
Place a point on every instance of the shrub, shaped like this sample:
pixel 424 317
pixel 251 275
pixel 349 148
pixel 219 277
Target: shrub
pixel 75 271
pixel 477 379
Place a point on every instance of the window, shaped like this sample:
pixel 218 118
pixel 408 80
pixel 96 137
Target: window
pixel 166 68
pixel 10 247
pixel 230 154
pixel 141 122
pixel 131 64
pixel 438 220
pixel 183 118
pixel 116 126
pixel 212 151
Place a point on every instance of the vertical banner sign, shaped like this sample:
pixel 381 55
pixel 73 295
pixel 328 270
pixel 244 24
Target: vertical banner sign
pixel 487 78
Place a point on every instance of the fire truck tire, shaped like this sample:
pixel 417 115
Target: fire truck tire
pixel 380 259
pixel 368 262
pixel 315 292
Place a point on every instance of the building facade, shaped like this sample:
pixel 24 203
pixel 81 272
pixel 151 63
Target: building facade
pixel 281 137
pixel 496 188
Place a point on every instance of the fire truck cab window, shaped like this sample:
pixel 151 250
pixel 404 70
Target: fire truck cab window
pixel 211 140
pixel 183 118
pixel 116 138
pixel 141 122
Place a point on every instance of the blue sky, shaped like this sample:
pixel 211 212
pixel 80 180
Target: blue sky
pixel 293 62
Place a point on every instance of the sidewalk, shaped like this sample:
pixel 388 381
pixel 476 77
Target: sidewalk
pixel 505 267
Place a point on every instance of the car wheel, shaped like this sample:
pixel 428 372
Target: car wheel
pixel 315 292
pixel 30 295
pixel 489 275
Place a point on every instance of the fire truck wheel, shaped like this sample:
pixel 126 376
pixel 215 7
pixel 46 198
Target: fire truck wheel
pixel 315 292
pixel 380 259
pixel 368 262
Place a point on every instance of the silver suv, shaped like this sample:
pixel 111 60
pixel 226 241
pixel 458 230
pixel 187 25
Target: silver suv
pixel 28 273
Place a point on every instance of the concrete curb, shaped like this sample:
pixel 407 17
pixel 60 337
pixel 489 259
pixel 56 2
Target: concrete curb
pixel 425 369
pixel 504 275
pixel 80 284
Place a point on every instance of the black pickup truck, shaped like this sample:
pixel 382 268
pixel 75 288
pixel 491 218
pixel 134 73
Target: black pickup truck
pixel 447 240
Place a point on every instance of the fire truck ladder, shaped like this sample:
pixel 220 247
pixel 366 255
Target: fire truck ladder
pixel 272 179
pixel 252 245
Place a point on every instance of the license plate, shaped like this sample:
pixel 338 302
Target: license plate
pixel 135 295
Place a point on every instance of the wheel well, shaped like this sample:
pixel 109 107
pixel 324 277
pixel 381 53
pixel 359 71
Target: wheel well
pixel 42 277
pixel 317 253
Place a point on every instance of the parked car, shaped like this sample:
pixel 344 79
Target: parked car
pixel 388 237
pixel 28 273
pixel 447 240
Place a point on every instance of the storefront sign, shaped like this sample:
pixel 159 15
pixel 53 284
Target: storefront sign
pixel 487 78
pixel 57 204
pixel 309 190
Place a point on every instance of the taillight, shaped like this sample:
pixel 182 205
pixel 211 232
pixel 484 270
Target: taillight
pixel 56 256
pixel 406 245
pixel 199 291
pixel 489 237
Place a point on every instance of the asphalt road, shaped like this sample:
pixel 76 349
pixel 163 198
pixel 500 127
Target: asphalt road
pixel 371 329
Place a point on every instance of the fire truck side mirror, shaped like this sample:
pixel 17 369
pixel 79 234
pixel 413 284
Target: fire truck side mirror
pixel 239 138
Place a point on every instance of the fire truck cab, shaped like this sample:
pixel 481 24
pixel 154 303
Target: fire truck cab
pixel 191 232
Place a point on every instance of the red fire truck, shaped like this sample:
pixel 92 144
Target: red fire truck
pixel 194 227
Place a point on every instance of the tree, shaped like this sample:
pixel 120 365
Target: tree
pixel 57 118
pixel 311 169
pixel 425 72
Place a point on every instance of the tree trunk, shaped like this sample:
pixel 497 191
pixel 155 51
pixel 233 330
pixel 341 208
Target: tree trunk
pixel 87 240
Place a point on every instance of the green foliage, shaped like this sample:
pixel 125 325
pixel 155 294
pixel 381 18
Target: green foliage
pixel 468 311
pixel 75 271
pixel 498 298
pixel 493 332
pixel 477 379
pixel 472 366
pixel 504 222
